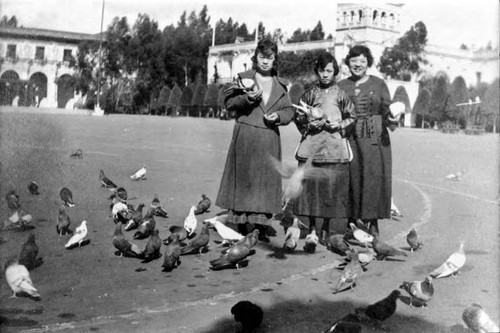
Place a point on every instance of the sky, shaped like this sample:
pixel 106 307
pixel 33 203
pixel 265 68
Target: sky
pixel 449 22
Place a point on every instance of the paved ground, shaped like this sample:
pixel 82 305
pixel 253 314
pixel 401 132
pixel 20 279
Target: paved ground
pixel 90 289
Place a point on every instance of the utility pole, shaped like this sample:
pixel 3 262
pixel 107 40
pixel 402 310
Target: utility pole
pixel 97 106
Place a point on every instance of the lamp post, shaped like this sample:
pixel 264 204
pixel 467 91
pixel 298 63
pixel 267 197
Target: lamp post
pixel 97 106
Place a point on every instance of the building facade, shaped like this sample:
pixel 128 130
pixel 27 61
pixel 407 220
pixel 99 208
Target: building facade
pixel 36 66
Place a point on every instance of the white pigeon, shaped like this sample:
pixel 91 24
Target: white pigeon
pixel 118 207
pixel 292 236
pixel 311 241
pixel 397 108
pixel 227 234
pixel 478 320
pixel 455 176
pixel 190 222
pixel 452 265
pixel 18 278
pixel 361 236
pixel 78 236
pixel 139 174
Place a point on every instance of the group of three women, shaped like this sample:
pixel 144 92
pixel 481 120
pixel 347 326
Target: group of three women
pixel 344 130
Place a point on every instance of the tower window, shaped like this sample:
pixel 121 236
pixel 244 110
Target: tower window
pixel 11 51
pixel 40 53
pixel 67 55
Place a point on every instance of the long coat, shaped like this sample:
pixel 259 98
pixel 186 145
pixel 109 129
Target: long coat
pixel 371 167
pixel 249 182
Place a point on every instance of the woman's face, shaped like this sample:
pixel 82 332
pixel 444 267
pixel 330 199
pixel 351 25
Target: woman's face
pixel 265 62
pixel 358 66
pixel 326 74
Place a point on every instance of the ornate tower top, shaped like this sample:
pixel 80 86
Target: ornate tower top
pixel 355 16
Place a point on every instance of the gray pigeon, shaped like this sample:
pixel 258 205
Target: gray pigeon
pixel 203 205
pixel 478 320
pixel 105 181
pixel 63 222
pixel 152 250
pixel 384 250
pixel 135 219
pixel 124 246
pixel 67 197
pixel 421 292
pixel 413 240
pixel 33 188
pixel 337 244
pixel 176 231
pixel 349 275
pixel 233 257
pixel 172 253
pixel 146 228
pixel 77 154
pixel 12 199
pixel 29 254
pixel 199 243
pixel 158 210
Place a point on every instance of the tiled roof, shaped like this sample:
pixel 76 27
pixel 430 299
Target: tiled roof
pixel 44 34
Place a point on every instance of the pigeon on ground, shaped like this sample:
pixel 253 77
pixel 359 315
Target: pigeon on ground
pixel 292 236
pixel 12 199
pixel 394 210
pixel 413 240
pixel 172 254
pixel 120 212
pixel 349 275
pixel 360 235
pixel 337 244
pixel 152 250
pixel 381 310
pixel 18 278
pixel 176 231
pixel 135 218
pixel 452 265
pixel 248 314
pixel 190 222
pixel 139 174
pixel 105 181
pixel 29 254
pixel 78 237
pixel 19 220
pixel 77 154
pixel 455 176
pixel 384 250
pixel 478 320
pixel 158 210
pixel 124 246
pixel 67 197
pixel 233 257
pixel 33 188
pixel 63 222
pixel 296 175
pixel 199 243
pixel 365 256
pixel 146 228
pixel 311 242
pixel 121 192
pixel 227 234
pixel 421 292
pixel 203 205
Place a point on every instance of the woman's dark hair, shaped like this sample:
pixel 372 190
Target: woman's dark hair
pixel 324 58
pixel 358 50
pixel 267 47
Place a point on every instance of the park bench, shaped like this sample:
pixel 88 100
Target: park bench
pixel 475 130
pixel 450 128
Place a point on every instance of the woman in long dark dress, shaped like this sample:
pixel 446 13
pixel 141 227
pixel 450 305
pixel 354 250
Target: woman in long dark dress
pixel 251 188
pixel 371 166
pixel 326 194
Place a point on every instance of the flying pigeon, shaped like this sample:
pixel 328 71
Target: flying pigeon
pixel 384 250
pixel 139 174
pixel 452 265
pixel 414 240
pixel 337 244
pixel 146 228
pixel 152 250
pixel 349 275
pixel 248 314
pixel 296 176
pixel 12 199
pixel 78 237
pixel 233 257
pixel 136 218
pixel 227 234
pixel 18 278
pixel 77 154
pixel 360 235
pixel 394 209
pixel 158 210
pixel 63 222
pixel 33 188
pixel 172 253
pixel 124 246
pixel 421 292
pixel 292 236
pixel 381 310
pixel 311 241
pixel 67 197
pixel 105 181
pixel 203 205
pixel 198 243
pixel 478 320
pixel 190 222
pixel 29 254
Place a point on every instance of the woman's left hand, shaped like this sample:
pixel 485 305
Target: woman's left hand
pixel 272 118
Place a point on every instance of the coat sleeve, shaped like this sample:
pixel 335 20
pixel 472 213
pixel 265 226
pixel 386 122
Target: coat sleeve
pixel 285 111
pixel 236 99
pixel 348 112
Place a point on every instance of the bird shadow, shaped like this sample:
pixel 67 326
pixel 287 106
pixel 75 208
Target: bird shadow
pixel 22 228
pixel 391 259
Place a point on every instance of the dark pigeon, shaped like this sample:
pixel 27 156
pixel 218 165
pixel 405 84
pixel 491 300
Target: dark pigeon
pixel 63 222
pixel 198 243
pixel 248 314
pixel 172 254
pixel 29 254
pixel 413 240
pixel 381 310
pixel 124 246
pixel 203 205
pixel 152 250
pixel 105 181
pixel 384 250
pixel 67 197
pixel 33 188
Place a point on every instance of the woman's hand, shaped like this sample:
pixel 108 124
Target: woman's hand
pixel 272 118
pixel 317 124
pixel 254 95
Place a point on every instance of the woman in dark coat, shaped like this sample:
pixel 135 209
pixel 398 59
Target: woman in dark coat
pixel 371 166
pixel 251 188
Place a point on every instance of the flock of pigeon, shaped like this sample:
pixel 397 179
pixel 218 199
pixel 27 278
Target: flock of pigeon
pixel 357 246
